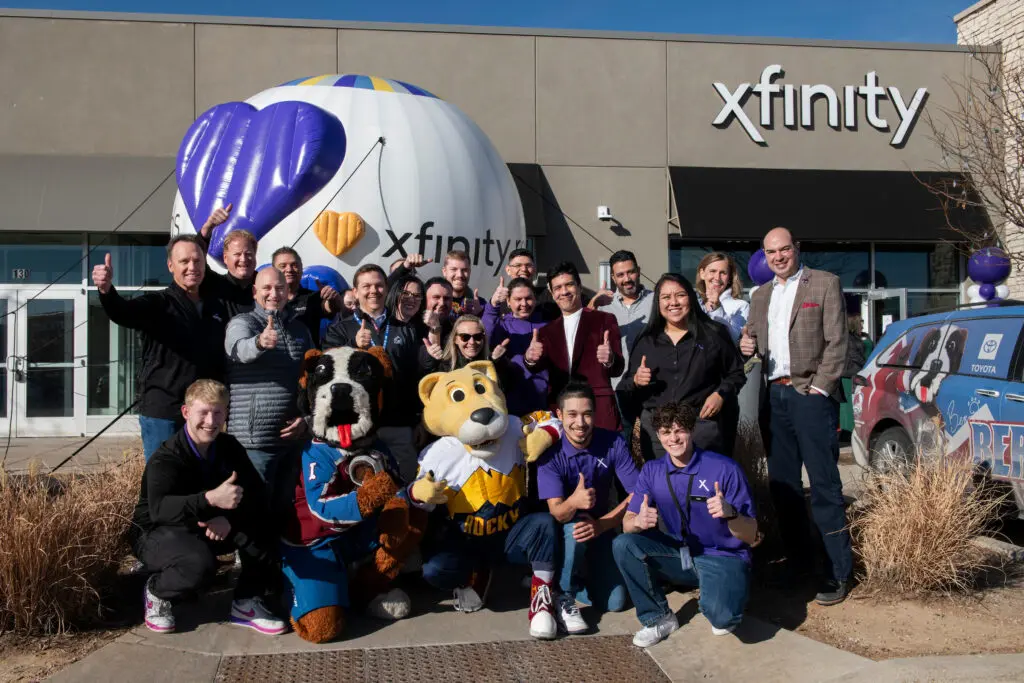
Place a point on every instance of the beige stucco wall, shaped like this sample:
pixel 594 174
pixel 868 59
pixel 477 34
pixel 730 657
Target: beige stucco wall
pixel 989 22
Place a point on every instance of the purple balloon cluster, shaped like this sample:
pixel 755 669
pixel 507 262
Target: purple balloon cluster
pixel 757 268
pixel 988 267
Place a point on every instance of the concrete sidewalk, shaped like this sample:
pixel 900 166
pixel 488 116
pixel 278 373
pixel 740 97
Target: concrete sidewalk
pixel 757 651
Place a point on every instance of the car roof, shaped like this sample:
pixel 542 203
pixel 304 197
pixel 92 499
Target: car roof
pixel 897 328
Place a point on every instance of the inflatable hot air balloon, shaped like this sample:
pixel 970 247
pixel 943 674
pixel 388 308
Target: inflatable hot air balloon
pixel 350 170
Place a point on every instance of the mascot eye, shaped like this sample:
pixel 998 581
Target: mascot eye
pixel 479 387
pixel 320 370
pixel 458 395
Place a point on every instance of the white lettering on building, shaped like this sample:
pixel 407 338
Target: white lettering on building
pixel 840 112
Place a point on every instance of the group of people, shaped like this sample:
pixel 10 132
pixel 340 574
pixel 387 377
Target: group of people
pixel 634 370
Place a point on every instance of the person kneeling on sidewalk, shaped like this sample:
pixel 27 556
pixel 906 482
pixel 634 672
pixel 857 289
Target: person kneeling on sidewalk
pixel 201 497
pixel 700 503
pixel 575 477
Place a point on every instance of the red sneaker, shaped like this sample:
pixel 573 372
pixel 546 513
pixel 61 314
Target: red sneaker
pixel 542 613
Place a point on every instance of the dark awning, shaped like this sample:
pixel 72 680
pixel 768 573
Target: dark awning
pixel 741 203
pixel 85 193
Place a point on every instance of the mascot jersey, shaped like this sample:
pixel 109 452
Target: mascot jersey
pixel 325 497
pixel 485 497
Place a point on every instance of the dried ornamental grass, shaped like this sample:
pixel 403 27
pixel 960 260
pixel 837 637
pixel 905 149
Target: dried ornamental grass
pixel 913 529
pixel 60 537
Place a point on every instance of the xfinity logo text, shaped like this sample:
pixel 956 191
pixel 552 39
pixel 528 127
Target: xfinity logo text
pixel 805 95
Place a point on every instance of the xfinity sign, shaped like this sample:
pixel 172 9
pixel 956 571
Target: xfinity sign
pixel 799 100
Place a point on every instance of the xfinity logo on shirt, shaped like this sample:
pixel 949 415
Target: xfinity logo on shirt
pixel 805 97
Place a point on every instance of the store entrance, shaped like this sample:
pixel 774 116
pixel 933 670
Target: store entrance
pixel 886 306
pixel 42 373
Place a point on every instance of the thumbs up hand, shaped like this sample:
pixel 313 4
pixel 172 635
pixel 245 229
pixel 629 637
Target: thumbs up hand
pixel 426 490
pixel 364 338
pixel 748 343
pixel 227 496
pixel 268 337
pixel 535 350
pixel 647 518
pixel 473 306
pixel 643 375
pixel 719 507
pixel 500 295
pixel 604 351
pixel 216 218
pixel 500 349
pixel 433 348
pixel 103 275
pixel 603 297
pixel 583 498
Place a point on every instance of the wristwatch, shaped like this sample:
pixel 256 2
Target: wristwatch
pixel 733 516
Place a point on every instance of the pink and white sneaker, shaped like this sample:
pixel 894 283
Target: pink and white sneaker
pixel 159 615
pixel 542 614
pixel 251 612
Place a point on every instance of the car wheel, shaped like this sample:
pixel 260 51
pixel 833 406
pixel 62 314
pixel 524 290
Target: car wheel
pixel 891 450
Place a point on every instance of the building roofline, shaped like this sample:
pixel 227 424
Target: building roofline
pixel 481 30
pixel 964 13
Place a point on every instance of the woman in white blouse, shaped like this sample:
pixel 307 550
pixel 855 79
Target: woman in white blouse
pixel 720 289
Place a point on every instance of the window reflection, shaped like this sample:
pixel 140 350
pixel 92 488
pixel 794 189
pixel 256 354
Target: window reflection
pixel 919 266
pixel 114 354
pixel 138 260
pixel 41 258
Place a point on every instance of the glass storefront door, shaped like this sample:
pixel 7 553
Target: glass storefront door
pixel 886 307
pixel 43 375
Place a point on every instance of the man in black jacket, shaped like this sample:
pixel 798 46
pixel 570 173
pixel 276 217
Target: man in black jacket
pixel 307 305
pixel 201 497
pixel 373 325
pixel 182 336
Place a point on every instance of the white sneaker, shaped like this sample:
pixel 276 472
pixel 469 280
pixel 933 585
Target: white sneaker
pixel 715 631
pixel 159 615
pixel 569 617
pixel 251 612
pixel 390 606
pixel 542 617
pixel 659 631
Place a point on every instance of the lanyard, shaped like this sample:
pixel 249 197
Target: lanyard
pixel 683 516
pixel 387 328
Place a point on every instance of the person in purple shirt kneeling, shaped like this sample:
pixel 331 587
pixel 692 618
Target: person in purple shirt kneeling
pixel 575 477
pixel 690 521
pixel 527 390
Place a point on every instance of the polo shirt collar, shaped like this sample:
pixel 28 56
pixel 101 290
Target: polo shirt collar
pixel 571 451
pixel 690 468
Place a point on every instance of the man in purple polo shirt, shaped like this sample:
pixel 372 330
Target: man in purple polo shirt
pixel 575 477
pixel 701 505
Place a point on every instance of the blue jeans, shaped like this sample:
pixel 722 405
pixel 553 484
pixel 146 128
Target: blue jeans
pixel 589 572
pixel 647 559
pixel 804 434
pixel 156 430
pixel 531 540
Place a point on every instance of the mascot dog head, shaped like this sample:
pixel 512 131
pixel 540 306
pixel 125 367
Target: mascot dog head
pixel 343 390
pixel 467 404
pixel 940 353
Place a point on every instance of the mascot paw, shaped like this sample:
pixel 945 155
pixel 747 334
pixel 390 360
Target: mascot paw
pixel 321 625
pixel 426 490
pixel 390 606
pixel 374 492
pixel 536 441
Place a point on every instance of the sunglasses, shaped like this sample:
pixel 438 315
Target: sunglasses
pixel 464 338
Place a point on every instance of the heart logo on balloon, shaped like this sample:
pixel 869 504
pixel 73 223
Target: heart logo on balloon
pixel 266 162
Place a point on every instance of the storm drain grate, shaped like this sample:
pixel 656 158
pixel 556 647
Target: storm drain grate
pixel 598 659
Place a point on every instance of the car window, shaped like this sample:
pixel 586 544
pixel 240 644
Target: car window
pixel 911 348
pixel 981 347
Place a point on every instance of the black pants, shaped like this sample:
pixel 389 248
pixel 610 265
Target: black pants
pixel 184 563
pixel 803 433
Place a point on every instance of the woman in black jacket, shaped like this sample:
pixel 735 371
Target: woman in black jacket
pixel 684 356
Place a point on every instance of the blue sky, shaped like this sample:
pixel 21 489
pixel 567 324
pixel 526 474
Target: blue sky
pixel 925 21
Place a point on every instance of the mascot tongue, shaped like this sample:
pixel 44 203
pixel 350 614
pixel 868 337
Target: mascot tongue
pixel 345 436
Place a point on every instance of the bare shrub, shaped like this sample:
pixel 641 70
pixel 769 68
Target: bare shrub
pixel 912 529
pixel 61 536
pixel 749 452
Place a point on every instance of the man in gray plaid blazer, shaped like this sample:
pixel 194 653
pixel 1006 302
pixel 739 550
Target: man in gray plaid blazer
pixel 797 325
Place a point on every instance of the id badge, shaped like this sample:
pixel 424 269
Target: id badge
pixel 685 561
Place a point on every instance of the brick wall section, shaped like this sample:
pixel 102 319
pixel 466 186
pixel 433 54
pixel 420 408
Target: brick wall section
pixel 986 23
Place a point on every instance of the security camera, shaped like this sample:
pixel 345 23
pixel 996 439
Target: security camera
pixel 604 213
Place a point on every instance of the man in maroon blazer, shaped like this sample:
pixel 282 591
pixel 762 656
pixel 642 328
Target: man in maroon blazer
pixel 581 344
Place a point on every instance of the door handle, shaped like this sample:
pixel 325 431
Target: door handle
pixel 1015 397
pixel 991 393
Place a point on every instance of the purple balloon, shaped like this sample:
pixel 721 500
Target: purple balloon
pixel 757 268
pixel 990 265
pixel 326 275
pixel 266 162
pixel 987 291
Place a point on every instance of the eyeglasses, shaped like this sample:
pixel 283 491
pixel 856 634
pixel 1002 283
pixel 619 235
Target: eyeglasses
pixel 409 296
pixel 464 338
